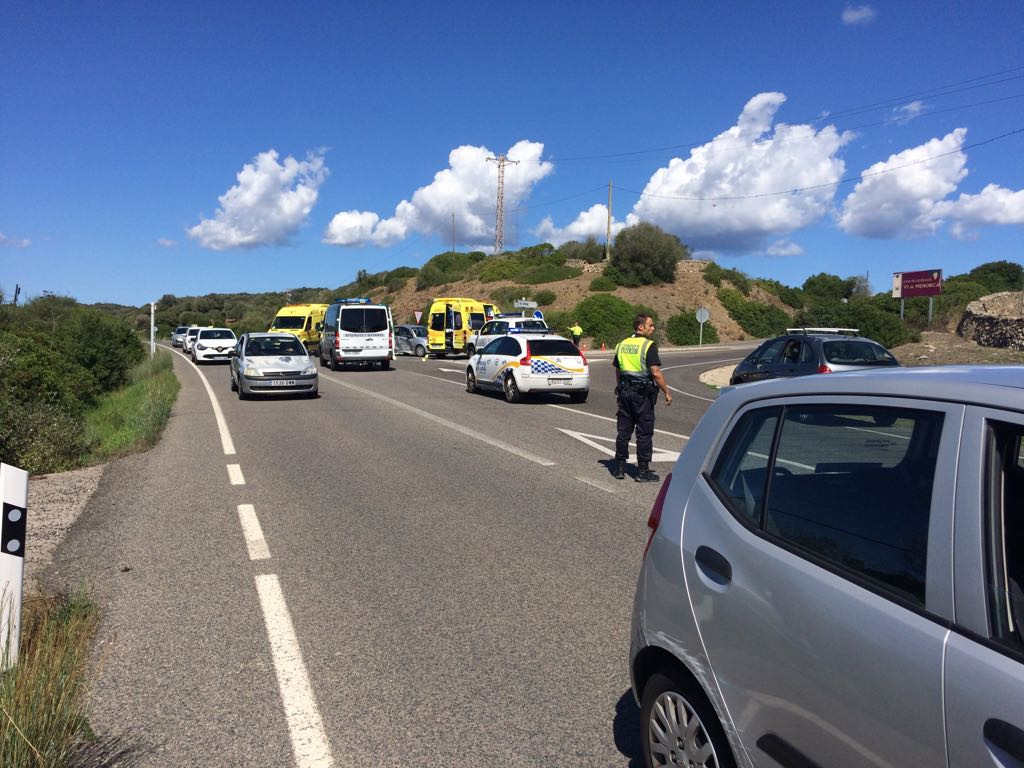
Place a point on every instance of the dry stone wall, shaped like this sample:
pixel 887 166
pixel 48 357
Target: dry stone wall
pixel 995 321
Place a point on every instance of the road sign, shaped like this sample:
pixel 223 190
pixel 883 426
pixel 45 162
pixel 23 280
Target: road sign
pixel 538 314
pixel 417 313
pixel 927 282
pixel 524 304
pixel 703 315
pixel 595 441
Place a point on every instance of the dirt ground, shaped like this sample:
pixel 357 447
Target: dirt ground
pixel 949 349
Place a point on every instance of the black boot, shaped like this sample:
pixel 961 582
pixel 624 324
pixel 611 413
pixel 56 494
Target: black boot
pixel 645 475
pixel 619 473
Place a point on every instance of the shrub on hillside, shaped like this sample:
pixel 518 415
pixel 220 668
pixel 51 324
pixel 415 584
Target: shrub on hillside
pixel 547 273
pixel 602 283
pixel 758 319
pixel 505 295
pixel 589 251
pixel 683 329
pixel 544 298
pixel 607 318
pixel 647 255
pixel 715 274
pixel 860 313
pixel 446 267
pixel 791 297
pixel 499 268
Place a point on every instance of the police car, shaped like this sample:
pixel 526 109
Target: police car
pixel 529 363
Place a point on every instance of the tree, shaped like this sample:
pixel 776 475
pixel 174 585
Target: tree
pixel 824 287
pixel 646 255
pixel 998 276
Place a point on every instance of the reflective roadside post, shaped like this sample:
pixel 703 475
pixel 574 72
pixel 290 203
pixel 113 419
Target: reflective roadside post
pixel 14 494
pixel 152 329
pixel 702 316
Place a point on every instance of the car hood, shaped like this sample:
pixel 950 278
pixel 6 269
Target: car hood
pixel 279 363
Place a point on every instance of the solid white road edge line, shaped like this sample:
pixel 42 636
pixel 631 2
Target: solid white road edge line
pixel 225 436
pixel 687 394
pixel 596 484
pixel 706 362
pixel 607 418
pixel 253 532
pixel 448 424
pixel 235 474
pixel 305 726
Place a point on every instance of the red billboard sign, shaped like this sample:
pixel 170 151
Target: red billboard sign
pixel 927 282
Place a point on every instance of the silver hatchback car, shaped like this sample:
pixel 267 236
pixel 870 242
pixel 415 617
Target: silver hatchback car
pixel 835 577
pixel 272 364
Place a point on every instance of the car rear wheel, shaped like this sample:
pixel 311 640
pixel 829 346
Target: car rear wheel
pixel 385 364
pixel 470 381
pixel 334 365
pixel 420 351
pixel 511 389
pixel 679 727
pixel 579 397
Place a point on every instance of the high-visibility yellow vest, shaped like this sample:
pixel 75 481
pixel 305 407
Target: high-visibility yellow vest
pixel 632 356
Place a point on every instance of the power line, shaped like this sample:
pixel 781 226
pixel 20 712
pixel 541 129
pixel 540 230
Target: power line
pixel 858 177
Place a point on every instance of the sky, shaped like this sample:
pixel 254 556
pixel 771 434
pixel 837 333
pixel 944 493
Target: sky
pixel 190 148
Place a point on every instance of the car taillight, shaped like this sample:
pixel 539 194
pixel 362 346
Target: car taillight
pixel 824 369
pixel 655 518
pixel 583 357
pixel 525 360
pixel 337 341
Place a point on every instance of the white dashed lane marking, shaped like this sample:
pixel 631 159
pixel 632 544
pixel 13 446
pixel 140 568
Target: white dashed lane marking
pixel 235 474
pixel 253 532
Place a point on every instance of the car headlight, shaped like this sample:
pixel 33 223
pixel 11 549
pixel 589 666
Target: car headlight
pixel 250 371
pixel 309 371
pixel 200 346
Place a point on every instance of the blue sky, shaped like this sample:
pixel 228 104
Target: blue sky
pixel 192 148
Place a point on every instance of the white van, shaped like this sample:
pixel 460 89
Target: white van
pixel 356 331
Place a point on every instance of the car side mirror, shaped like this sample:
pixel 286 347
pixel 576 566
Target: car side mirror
pixel 232 353
pixel 319 326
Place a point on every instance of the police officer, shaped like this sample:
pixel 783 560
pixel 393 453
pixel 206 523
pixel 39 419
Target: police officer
pixel 638 378
pixel 576 332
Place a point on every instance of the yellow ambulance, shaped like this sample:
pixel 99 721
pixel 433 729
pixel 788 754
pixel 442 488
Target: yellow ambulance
pixel 302 320
pixel 453 322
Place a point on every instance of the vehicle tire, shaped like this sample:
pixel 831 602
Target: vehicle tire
pixel 420 351
pixel 668 733
pixel 241 394
pixel 579 397
pixel 234 387
pixel 385 365
pixel 334 366
pixel 313 395
pixel 511 389
pixel 734 381
pixel 470 350
pixel 470 381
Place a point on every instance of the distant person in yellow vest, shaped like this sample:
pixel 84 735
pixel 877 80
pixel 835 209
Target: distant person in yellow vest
pixel 637 381
pixel 577 332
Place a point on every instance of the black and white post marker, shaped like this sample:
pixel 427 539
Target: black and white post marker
pixel 14 494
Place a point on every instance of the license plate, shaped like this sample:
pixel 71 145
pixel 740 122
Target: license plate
pixel 351 351
pixel 559 382
pixel 283 383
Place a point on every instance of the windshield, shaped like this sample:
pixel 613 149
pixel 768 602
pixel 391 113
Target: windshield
pixel 532 325
pixel 852 352
pixel 363 320
pixel 193 332
pixel 553 348
pixel 181 329
pixel 217 333
pixel 264 346
pixel 288 321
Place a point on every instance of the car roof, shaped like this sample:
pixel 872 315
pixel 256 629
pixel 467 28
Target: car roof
pixel 538 336
pixel 1000 386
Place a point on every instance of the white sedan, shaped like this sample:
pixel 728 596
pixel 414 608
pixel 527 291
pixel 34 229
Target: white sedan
pixel 524 364
pixel 212 344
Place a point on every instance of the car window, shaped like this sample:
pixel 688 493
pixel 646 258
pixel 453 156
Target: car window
pixel 1004 577
pixel 791 352
pixel 500 328
pixel 509 347
pixel 437 321
pixel 476 319
pixel 769 353
pixel 457 322
pixel 531 325
pixel 852 485
pixel 487 329
pixel 740 474
pixel 492 348
pixel 806 353
pixel 857 352
pixel 553 347
pixel 420 330
pixel 288 322
pixel 363 320
pixel 217 333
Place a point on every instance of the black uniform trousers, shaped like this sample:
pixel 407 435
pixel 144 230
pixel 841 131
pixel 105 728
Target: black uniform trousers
pixel 636 410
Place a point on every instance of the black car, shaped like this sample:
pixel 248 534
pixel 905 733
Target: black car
pixel 802 351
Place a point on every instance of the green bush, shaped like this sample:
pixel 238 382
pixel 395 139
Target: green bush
pixel 507 294
pixel 446 267
pixel 606 318
pixel 547 273
pixel 589 251
pixel 499 268
pixel 544 298
pixel 715 274
pixel 647 255
pixel 860 313
pixel 683 329
pixel 997 276
pixel 615 274
pixel 758 319
pixel 602 283
pixel 791 297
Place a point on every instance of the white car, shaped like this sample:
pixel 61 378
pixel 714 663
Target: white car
pixel 530 363
pixel 501 325
pixel 189 338
pixel 212 344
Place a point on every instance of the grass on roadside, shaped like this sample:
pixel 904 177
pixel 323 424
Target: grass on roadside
pixel 132 418
pixel 42 698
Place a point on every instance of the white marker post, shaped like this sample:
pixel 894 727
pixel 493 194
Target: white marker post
pixel 702 316
pixel 14 495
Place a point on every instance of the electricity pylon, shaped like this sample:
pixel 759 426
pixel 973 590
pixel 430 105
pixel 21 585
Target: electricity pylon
pixel 499 217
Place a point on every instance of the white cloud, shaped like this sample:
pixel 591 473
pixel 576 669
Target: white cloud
pixel 904 113
pixel 592 222
pixel 166 242
pixel 728 186
pixel 900 196
pixel 467 188
pixel 854 15
pixel 267 206
pixel 993 205
pixel 784 248
pixel 14 242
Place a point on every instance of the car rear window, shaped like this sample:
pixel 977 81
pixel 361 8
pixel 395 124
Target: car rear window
pixel 853 352
pixel 363 320
pixel 553 348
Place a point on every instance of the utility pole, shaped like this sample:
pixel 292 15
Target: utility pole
pixel 453 233
pixel 17 290
pixel 608 232
pixel 499 218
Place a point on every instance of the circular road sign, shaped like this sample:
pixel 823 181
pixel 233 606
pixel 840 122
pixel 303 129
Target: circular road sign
pixel 703 315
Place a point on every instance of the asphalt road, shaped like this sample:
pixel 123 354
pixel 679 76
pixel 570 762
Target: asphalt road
pixel 442 578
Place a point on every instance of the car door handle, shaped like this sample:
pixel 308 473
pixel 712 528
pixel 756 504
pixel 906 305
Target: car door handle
pixel 1005 737
pixel 714 566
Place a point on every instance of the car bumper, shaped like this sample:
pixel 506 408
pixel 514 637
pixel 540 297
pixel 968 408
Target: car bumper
pixel 278 385
pixel 540 382
pixel 206 355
